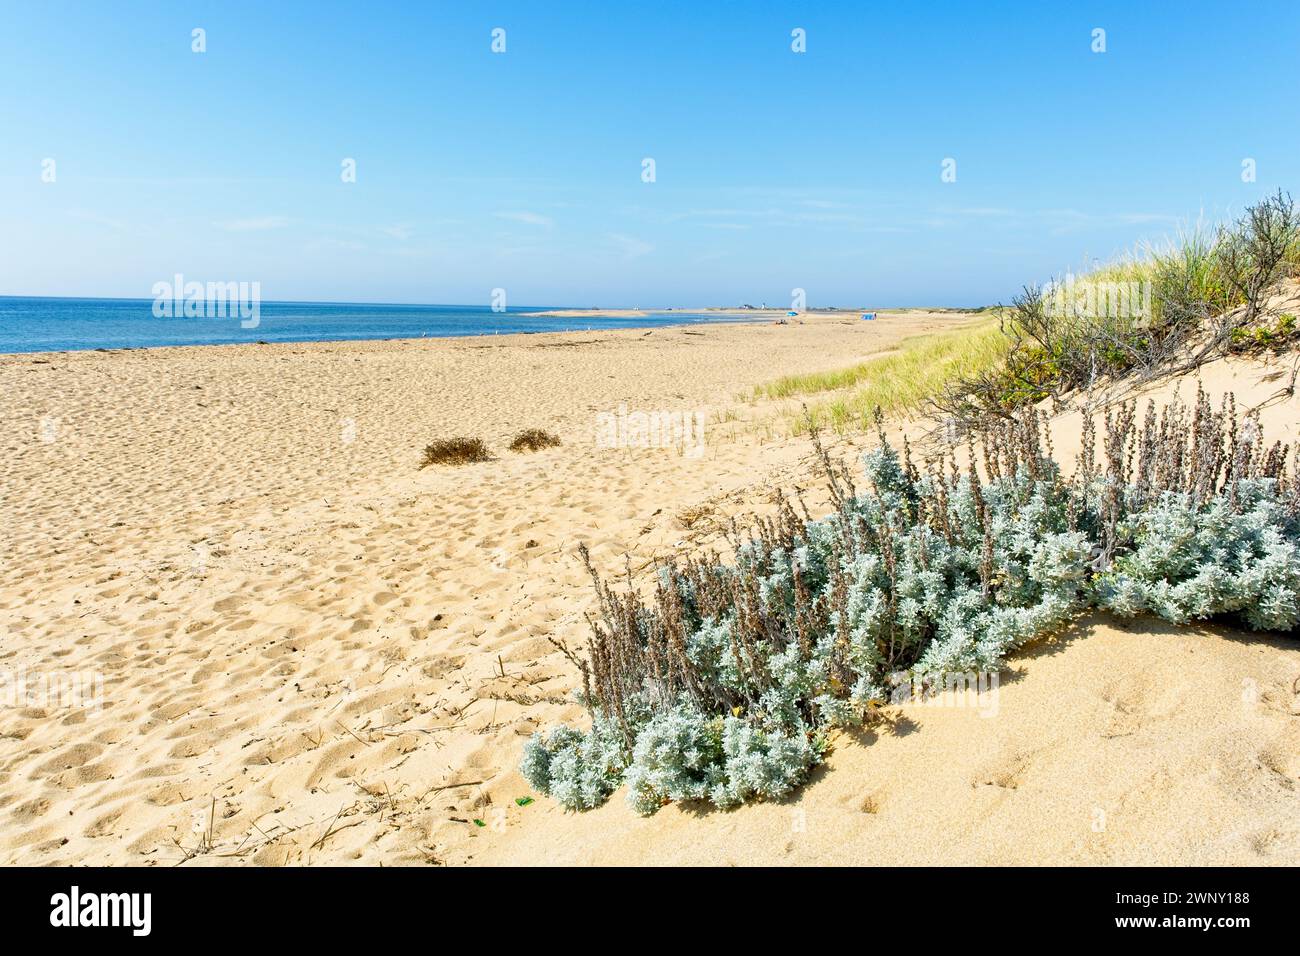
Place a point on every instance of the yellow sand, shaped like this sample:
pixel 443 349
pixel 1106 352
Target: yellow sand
pixel 313 652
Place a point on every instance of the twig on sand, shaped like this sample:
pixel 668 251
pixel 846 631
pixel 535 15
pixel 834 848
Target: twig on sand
pixel 330 829
pixel 349 730
pixel 449 786
pixel 564 649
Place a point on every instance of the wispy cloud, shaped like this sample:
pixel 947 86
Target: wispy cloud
pixel 526 217
pixel 813 212
pixel 258 224
pixel 399 232
pixel 1063 221
pixel 978 211
pixel 1142 218
pixel 326 244
pixel 93 217
pixel 631 247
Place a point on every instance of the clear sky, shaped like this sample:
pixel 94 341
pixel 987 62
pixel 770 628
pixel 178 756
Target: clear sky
pixel 523 170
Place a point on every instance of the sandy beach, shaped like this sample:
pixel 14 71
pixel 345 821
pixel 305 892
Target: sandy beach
pixel 312 651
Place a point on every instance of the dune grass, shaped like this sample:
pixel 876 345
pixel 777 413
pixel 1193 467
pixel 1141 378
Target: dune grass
pixel 1164 306
pixel 1182 267
pixel 897 381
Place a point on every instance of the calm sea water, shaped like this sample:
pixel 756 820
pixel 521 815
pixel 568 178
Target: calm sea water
pixel 48 325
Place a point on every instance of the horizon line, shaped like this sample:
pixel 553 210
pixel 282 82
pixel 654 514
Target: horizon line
pixel 511 308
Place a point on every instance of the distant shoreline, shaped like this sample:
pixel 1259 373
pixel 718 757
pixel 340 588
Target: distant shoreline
pixel 643 313
pixel 755 313
pixel 31 325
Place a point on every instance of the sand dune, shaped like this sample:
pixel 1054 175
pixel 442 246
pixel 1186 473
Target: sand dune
pixel 1144 745
pixel 314 653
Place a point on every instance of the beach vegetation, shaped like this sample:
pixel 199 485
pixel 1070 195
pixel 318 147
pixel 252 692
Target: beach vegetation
pixel 1162 310
pixel 1275 336
pixel 1182 303
pixel 533 439
pixel 898 381
pixel 455 451
pixel 722 682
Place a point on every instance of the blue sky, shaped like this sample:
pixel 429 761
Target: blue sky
pixel 522 170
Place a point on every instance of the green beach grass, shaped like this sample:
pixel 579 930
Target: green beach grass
pixel 1186 261
pixel 897 381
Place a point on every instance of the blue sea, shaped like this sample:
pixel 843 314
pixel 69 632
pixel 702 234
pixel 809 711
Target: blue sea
pixel 50 324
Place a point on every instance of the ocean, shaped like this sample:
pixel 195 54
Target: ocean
pixel 29 324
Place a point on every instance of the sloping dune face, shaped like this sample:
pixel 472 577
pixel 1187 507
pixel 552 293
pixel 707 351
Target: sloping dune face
pixel 1119 742
pixel 1131 745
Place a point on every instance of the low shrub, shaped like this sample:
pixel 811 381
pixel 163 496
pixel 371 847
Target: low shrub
pixel 455 451
pixel 1187 563
pixel 533 439
pixel 1274 336
pixel 1259 251
pixel 722 685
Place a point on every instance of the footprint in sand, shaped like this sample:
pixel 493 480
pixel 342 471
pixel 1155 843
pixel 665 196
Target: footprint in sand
pixel 75 756
pixel 31 810
pixel 1006 772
